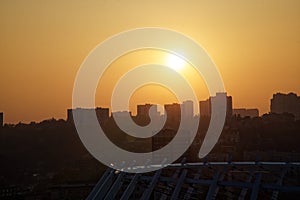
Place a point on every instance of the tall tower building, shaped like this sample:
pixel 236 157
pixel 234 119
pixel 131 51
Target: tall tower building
pixel 205 106
pixel 188 109
pixel 286 103
pixel 1 119
pixel 173 112
pixel 102 114
pixel 70 115
pixel 143 110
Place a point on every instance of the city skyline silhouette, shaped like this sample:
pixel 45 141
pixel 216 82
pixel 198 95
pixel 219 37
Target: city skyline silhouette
pixel 252 111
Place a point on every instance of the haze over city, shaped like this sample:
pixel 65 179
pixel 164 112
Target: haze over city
pixel 255 45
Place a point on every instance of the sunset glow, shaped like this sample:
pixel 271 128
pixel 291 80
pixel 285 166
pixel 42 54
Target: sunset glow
pixel 175 62
pixel 255 45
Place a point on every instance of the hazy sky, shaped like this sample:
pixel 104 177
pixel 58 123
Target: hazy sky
pixel 255 44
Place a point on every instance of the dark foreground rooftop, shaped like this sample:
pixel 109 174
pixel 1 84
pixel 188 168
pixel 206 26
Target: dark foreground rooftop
pixel 204 180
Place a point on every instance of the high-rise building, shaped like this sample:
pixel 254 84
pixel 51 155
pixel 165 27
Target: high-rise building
pixel 229 106
pixel 205 109
pixel 188 109
pixel 173 114
pixel 70 115
pixel 286 103
pixel 1 119
pixel 102 114
pixel 143 110
pixel 205 106
pixel 147 113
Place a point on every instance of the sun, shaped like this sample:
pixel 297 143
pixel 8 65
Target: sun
pixel 175 62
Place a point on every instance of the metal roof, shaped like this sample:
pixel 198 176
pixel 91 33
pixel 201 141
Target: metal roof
pixel 203 180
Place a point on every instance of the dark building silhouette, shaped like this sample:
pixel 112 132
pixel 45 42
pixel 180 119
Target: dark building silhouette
pixel 205 109
pixel 69 115
pixel 143 110
pixel 173 114
pixel 243 112
pixel 205 106
pixel 1 119
pixel 101 113
pixel 188 109
pixel 286 103
pixel 147 113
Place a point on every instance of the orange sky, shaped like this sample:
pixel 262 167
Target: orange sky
pixel 256 46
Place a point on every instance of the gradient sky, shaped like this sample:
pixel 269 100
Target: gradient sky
pixel 255 44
